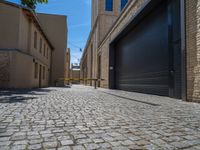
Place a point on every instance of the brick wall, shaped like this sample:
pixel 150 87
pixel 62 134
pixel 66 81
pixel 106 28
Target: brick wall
pixel 103 50
pixel 193 49
pixel 196 92
pixel 4 69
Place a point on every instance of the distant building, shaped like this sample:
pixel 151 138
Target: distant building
pixel 147 46
pixel 56 28
pixel 75 74
pixel 32 47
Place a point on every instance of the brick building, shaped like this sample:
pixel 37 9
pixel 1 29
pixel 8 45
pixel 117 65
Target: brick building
pixel 149 46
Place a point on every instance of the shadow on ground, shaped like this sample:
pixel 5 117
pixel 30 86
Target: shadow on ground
pixel 21 95
pixel 15 99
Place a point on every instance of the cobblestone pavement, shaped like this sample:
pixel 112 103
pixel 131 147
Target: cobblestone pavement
pixel 81 118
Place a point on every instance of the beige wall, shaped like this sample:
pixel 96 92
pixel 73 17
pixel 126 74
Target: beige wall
pixel 9 17
pixel 75 74
pixel 17 48
pixel 55 27
pixel 102 21
pixel 193 49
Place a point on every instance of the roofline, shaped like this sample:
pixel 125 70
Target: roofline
pixel 34 17
pixel 53 15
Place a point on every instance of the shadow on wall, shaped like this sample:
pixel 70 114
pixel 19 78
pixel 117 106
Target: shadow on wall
pixel 22 95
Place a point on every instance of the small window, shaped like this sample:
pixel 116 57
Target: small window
pixel 123 4
pixel 109 5
pixel 35 39
pixel 47 53
pixel 44 52
pixel 40 45
pixel 36 71
pixel 44 73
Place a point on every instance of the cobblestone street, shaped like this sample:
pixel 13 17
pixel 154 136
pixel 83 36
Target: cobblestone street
pixel 81 117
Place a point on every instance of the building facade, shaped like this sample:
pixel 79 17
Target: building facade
pixel 25 50
pixel 104 14
pixel 75 74
pixel 152 47
pixel 56 29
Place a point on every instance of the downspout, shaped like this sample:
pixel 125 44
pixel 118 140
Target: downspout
pixel 50 72
pixel 183 50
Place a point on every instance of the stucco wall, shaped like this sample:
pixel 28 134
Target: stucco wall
pixel 9 26
pixel 17 48
pixel 55 26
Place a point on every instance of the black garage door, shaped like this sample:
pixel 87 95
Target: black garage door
pixel 147 57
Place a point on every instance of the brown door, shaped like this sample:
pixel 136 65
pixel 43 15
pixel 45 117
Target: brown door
pixel 40 77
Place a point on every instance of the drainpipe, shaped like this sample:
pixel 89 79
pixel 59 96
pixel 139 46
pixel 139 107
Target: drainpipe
pixel 50 72
pixel 183 49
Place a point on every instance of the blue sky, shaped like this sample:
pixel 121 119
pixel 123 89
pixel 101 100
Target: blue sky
pixel 79 19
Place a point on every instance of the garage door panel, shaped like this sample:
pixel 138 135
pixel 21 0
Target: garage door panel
pixel 149 89
pixel 142 62
pixel 158 78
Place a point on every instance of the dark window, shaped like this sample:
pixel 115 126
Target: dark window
pixel 123 4
pixel 36 71
pixel 44 52
pixel 40 45
pixel 35 39
pixel 47 53
pixel 109 5
pixel 43 73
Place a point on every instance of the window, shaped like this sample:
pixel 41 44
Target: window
pixel 40 45
pixel 47 52
pixel 35 39
pixel 36 71
pixel 43 72
pixel 123 4
pixel 44 50
pixel 109 5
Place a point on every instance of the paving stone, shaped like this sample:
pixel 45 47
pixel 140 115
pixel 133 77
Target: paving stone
pixel 64 148
pixel 5 143
pixel 83 118
pixel 104 145
pixel 18 147
pixel 4 139
pixel 78 147
pixel 35 147
pixel 67 142
pixel 83 141
pixel 4 148
pixel 37 141
pixel 91 146
pixel 24 142
pixel 98 141
pixel 50 144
